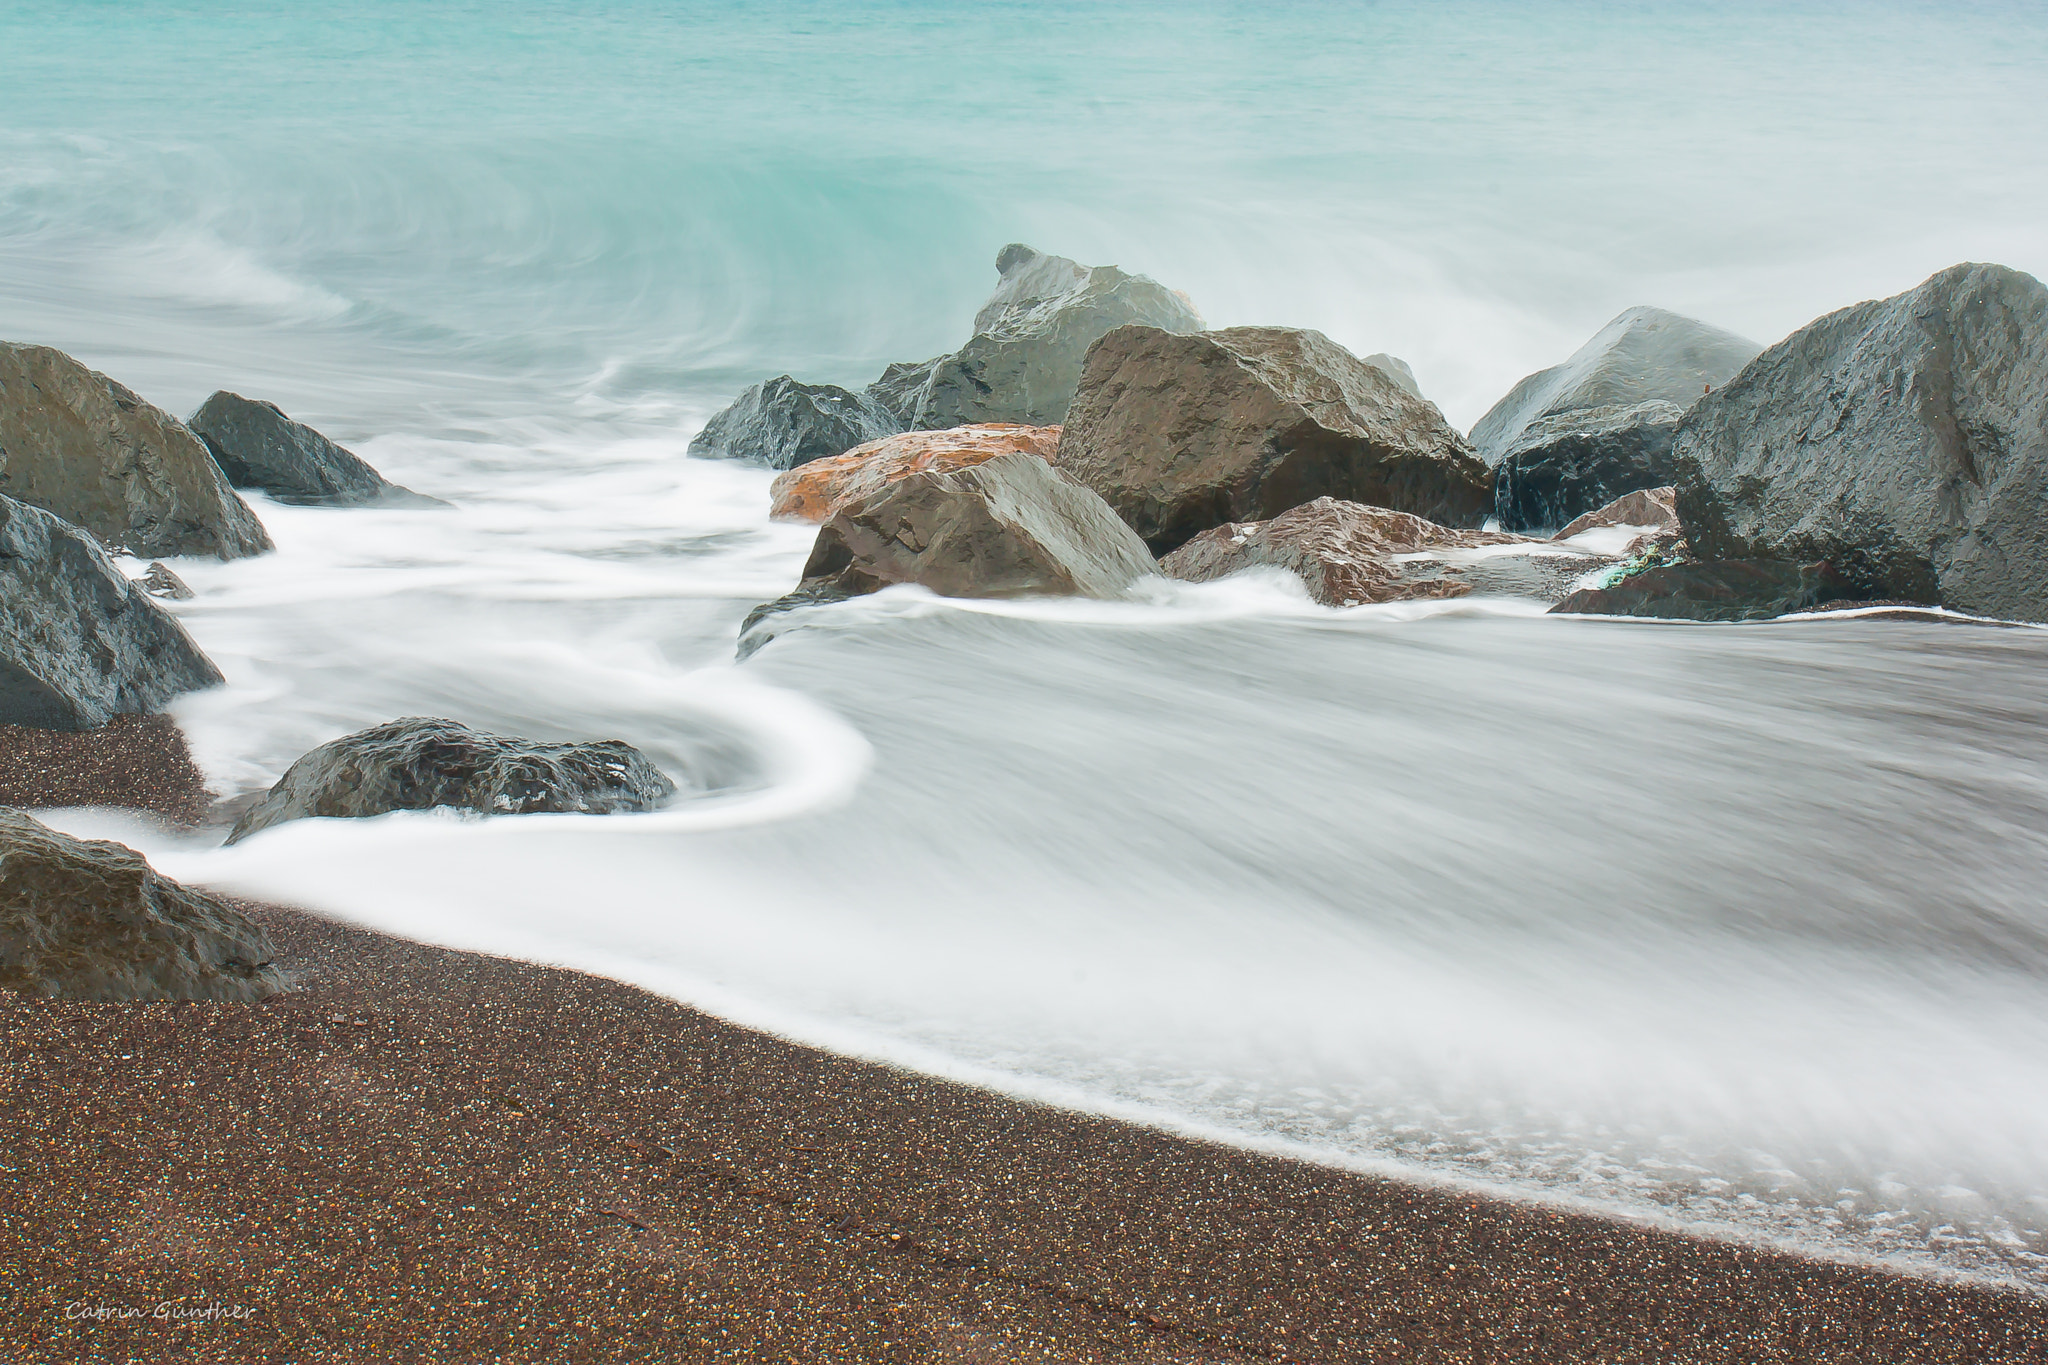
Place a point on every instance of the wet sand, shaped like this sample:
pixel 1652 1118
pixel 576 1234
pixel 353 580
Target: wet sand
pixel 431 1155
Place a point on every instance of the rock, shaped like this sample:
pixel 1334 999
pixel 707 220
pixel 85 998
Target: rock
pixel 1646 507
pixel 783 423
pixel 159 581
pixel 1010 526
pixel 766 621
pixel 1348 555
pixel 257 446
pixel 87 919
pixel 1182 433
pixel 1395 369
pixel 1724 590
pixel 420 763
pixel 1903 441
pixel 74 442
pixel 1644 355
pixel 1032 337
pixel 1566 465
pixel 813 492
pixel 80 644
pixel 900 387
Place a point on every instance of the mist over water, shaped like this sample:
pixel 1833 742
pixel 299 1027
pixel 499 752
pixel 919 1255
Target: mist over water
pixel 1740 926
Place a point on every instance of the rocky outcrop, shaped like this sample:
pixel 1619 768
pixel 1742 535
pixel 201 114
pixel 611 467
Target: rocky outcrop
pixel 1182 433
pixel 1645 355
pixel 816 491
pixel 1725 590
pixel 79 643
pixel 1032 337
pixel 1348 555
pixel 74 442
pixel 1571 463
pixel 1011 526
pixel 257 446
pixel 1650 509
pixel 900 387
pixel 1903 441
pixel 86 919
pixel 420 763
pixel 783 423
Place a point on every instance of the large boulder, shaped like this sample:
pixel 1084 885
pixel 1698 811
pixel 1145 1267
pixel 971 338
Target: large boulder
pixel 76 443
pixel 1902 441
pixel 783 422
pixel 87 919
pixel 419 764
pixel 1180 433
pixel 1644 355
pixel 257 446
pixel 901 386
pixel 1347 554
pixel 1011 526
pixel 1724 590
pixel 1032 337
pixel 1570 463
pixel 79 643
pixel 816 491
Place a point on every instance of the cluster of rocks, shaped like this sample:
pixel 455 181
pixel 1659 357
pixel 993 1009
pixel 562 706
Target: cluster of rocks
pixel 1894 451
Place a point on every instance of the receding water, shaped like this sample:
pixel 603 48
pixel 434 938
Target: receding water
pixel 1740 927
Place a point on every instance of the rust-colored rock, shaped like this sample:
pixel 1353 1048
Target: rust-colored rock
pixel 818 490
pixel 1348 555
pixel 1644 507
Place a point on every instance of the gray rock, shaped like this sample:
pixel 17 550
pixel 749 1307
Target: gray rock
pixel 1651 507
pixel 1571 463
pixel 419 763
pixel 1725 590
pixel 1182 433
pixel 1644 355
pixel 766 621
pixel 80 644
pixel 1032 337
pixel 74 442
pixel 901 386
pixel 783 423
pixel 87 919
pixel 257 446
pixel 159 581
pixel 1395 369
pixel 1903 441
pixel 1349 555
pixel 1012 526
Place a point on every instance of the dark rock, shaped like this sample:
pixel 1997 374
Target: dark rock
pixel 159 581
pixel 1348 555
pixel 783 423
pixel 901 386
pixel 86 919
pixel 1182 433
pixel 1644 355
pixel 1569 464
pixel 1904 441
pixel 74 442
pixel 80 644
pixel 420 763
pixel 1724 590
pixel 1651 507
pixel 763 624
pixel 1012 526
pixel 257 446
pixel 1032 337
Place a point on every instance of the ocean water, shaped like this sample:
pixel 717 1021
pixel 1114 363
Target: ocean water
pixel 1739 929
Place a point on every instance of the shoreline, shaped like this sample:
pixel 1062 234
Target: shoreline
pixel 425 1153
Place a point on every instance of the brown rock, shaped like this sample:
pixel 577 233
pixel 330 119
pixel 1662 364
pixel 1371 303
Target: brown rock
pixel 1348 555
pixel 1180 433
pixel 1644 507
pixel 74 442
pixel 816 491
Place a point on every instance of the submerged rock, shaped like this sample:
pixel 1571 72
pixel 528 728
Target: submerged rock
pixel 1349 555
pixel 1644 355
pixel 87 919
pixel 257 446
pixel 1566 465
pixel 74 442
pixel 1904 441
pixel 1182 433
pixel 1011 526
pixel 1649 508
pixel 815 491
pixel 420 763
pixel 79 643
pixel 158 581
pixel 784 422
pixel 1032 337
pixel 1724 590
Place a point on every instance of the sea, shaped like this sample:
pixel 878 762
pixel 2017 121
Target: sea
pixel 1737 929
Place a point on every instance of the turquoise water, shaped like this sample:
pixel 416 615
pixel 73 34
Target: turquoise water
pixel 1736 928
